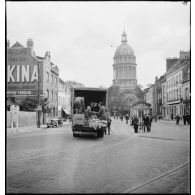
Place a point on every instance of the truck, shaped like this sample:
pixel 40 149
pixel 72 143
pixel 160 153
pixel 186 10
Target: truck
pixel 79 127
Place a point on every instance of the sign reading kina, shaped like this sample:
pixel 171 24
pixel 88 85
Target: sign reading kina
pixel 22 72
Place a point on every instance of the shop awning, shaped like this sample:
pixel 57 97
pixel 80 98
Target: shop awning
pixel 66 111
pixel 174 102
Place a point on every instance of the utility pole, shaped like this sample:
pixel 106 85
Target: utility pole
pixel 38 111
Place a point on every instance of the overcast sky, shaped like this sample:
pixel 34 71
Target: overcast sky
pixel 79 35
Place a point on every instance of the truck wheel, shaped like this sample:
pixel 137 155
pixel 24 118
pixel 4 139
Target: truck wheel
pixel 102 134
pixel 74 135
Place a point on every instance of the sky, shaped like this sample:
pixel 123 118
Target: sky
pixel 83 36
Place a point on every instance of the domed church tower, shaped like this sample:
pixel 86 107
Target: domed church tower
pixel 124 67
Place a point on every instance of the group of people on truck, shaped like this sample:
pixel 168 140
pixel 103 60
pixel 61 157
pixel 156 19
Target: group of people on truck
pixel 97 111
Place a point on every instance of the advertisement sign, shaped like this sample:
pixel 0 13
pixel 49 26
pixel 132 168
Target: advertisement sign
pixel 22 72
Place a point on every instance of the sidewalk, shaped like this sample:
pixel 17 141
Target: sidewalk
pixel 27 129
pixel 172 122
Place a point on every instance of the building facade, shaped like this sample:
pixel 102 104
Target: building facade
pixel 25 69
pixel 64 99
pixel 124 67
pixel 149 98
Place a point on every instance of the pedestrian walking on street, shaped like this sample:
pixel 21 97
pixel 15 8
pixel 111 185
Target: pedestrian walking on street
pixel 150 123
pixel 127 118
pixel 146 123
pixel 121 117
pixel 177 119
pixel 184 119
pixel 108 120
pixel 188 118
pixel 135 122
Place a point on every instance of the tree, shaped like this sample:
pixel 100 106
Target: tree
pixel 138 92
pixel 120 99
pixel 30 103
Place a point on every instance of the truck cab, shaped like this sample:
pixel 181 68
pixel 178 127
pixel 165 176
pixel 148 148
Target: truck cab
pixel 79 124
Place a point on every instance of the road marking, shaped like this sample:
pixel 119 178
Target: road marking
pixel 156 178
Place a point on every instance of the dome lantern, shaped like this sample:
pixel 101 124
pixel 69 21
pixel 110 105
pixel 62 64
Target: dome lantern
pixel 124 37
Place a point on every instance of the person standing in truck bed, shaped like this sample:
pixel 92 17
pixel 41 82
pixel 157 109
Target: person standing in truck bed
pixel 102 111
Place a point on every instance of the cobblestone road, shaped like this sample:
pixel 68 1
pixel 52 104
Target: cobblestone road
pixel 52 161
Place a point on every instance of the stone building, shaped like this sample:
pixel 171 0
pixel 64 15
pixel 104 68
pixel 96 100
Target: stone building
pixel 175 84
pixel 124 67
pixel 64 99
pixel 24 69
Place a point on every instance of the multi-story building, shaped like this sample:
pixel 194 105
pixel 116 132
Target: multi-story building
pixel 174 86
pixel 164 96
pixel 64 96
pixel 186 89
pixel 158 97
pixel 25 69
pixel 170 94
pixel 149 98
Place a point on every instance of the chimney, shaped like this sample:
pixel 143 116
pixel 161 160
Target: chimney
pixel 29 43
pixel 47 53
pixel 170 62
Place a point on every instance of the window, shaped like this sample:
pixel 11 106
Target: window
pixel 177 94
pixel 52 78
pixel 47 76
pixel 179 77
pixel 48 94
pixel 52 95
pixel 176 79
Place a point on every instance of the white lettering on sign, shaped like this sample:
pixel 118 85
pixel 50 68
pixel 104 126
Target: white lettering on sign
pixel 18 73
pixel 34 74
pixel 9 73
pixel 25 73
pixel 22 73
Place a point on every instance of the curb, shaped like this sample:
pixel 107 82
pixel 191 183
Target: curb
pixel 27 129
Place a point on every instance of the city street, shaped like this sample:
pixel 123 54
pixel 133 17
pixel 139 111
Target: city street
pixel 53 161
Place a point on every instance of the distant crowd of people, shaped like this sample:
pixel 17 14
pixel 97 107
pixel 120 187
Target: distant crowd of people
pixel 144 124
pixel 186 118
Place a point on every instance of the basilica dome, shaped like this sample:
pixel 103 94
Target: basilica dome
pixel 124 50
pixel 124 53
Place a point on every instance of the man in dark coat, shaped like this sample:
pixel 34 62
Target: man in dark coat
pixel 184 119
pixel 146 121
pixel 177 119
pixel 127 118
pixel 188 118
pixel 135 122
pixel 150 123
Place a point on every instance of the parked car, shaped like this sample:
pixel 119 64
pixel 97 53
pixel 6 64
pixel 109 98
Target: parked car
pixel 53 122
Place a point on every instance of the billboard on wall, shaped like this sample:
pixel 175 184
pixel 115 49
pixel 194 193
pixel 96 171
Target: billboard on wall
pixel 22 72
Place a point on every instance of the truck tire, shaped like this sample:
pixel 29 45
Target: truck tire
pixel 74 135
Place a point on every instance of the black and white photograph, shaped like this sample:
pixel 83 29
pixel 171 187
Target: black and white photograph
pixel 98 97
